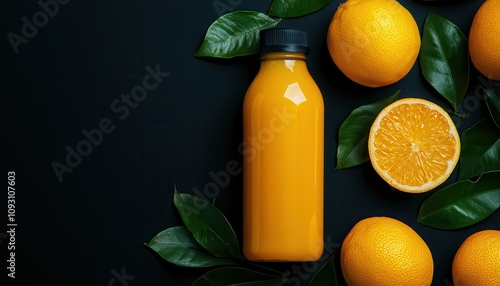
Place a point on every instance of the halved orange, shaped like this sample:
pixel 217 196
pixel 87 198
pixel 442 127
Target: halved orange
pixel 414 145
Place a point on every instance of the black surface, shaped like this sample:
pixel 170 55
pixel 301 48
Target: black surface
pixel 90 228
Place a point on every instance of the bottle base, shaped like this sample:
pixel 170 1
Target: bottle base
pixel 288 258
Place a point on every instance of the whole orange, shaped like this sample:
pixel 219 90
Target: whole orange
pixel 477 261
pixel 484 39
pixel 384 251
pixel 373 42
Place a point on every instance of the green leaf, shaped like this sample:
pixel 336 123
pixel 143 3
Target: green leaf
pixel 208 225
pixel 237 276
pixel 235 34
pixel 493 103
pixel 326 275
pixel 444 58
pixel 295 8
pixel 463 203
pixel 178 246
pixel 480 150
pixel 353 133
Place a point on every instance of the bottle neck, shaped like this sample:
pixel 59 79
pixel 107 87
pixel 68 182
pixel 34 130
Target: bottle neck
pixel 283 62
pixel 282 56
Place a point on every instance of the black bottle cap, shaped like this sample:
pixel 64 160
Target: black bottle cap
pixel 283 40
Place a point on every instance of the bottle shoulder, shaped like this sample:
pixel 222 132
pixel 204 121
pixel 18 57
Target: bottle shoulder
pixel 276 88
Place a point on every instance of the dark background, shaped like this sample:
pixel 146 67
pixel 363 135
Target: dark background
pixel 92 225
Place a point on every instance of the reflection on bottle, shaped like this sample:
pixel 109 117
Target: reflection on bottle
pixel 294 93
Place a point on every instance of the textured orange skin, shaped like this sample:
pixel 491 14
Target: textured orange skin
pixel 384 251
pixel 477 261
pixel 373 42
pixel 484 39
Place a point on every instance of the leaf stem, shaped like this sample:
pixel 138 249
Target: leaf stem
pixel 266 268
pixel 459 115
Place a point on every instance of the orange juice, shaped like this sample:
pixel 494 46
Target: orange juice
pixel 283 157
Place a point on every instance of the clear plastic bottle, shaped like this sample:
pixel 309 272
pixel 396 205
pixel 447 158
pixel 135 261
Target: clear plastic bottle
pixel 283 154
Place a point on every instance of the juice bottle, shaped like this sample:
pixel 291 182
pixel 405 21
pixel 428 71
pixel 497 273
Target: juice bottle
pixel 283 154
